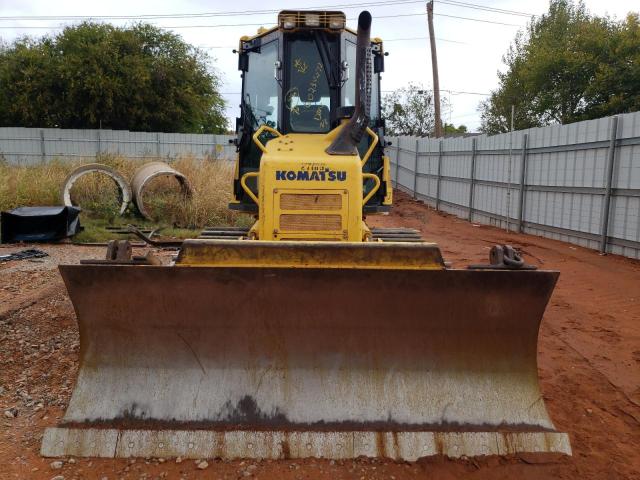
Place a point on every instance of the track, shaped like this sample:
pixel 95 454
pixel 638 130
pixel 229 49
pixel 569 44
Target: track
pixel 379 234
pixel 589 358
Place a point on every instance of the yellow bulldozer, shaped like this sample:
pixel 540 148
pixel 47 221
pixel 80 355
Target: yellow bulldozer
pixel 309 334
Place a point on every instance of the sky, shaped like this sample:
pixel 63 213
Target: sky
pixel 470 39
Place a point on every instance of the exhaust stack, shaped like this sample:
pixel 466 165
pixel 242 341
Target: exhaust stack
pixel 351 134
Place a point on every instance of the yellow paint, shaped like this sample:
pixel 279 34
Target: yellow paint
pixel 372 192
pixel 296 165
pixel 256 136
pixel 374 142
pixel 310 254
pixel 386 178
pixel 296 173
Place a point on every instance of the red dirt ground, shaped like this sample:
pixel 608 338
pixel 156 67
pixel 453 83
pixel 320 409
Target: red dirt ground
pixel 589 361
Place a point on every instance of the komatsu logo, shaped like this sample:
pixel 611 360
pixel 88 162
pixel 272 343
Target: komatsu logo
pixel 313 175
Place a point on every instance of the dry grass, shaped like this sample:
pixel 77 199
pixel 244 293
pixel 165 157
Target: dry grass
pixel 98 196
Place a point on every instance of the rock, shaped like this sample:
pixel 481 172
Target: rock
pixel 202 465
pixel 251 468
pixel 58 477
pixel 56 464
pixel 71 461
pixel 11 412
pixel 179 460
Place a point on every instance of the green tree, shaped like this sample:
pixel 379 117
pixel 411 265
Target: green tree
pixel 137 78
pixel 568 66
pixel 451 129
pixel 409 111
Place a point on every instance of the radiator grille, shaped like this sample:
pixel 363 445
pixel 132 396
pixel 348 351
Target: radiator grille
pixel 306 223
pixel 306 201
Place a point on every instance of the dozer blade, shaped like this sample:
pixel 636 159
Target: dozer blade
pixel 231 362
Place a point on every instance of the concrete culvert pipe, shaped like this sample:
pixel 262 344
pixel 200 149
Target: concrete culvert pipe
pixel 122 184
pixel 148 172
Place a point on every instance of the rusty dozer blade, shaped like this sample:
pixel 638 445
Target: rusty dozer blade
pixel 236 361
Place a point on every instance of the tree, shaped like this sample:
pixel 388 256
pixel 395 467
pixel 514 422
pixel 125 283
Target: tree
pixel 91 75
pixel 568 66
pixel 409 111
pixel 451 129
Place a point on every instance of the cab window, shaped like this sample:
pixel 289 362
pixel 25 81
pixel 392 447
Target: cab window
pixel 349 87
pixel 261 88
pixel 307 99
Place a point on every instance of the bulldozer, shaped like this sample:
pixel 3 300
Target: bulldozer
pixel 308 334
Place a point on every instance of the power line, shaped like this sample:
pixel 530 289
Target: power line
pixel 453 92
pixel 456 117
pixel 203 14
pixel 475 19
pixel 263 12
pixel 485 8
pixel 421 38
pixel 262 24
pixel 256 12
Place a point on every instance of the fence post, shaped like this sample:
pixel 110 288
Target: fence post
pixel 99 149
pixel 415 173
pixel 42 148
pixel 523 180
pixel 611 158
pixel 439 176
pixel 158 145
pixel 472 177
pixel 397 160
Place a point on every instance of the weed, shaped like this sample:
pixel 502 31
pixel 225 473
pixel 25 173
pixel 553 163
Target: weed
pixel 97 195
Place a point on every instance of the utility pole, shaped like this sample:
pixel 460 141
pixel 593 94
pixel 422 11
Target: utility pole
pixel 434 66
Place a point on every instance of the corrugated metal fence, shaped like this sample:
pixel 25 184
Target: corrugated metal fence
pixel 578 183
pixel 35 145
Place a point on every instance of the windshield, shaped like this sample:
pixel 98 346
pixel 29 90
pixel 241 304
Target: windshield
pixel 307 98
pixel 261 88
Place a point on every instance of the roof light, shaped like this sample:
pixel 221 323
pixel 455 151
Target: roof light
pixel 289 22
pixel 312 20
pixel 336 23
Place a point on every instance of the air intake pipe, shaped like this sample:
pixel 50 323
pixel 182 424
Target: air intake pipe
pixel 351 134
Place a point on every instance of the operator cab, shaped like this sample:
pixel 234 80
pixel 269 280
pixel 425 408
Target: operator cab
pixel 299 77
